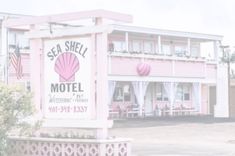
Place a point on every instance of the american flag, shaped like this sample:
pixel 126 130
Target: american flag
pixel 16 62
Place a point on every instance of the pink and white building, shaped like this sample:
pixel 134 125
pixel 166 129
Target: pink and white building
pixel 152 71
pixel 159 72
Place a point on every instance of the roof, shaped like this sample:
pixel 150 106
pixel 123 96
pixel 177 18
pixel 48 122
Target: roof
pixel 34 20
pixel 69 17
pixel 154 31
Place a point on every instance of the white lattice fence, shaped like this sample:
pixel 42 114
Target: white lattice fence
pixel 68 147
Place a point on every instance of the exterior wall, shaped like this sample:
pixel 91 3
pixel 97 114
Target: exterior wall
pixel 211 71
pixel 118 64
pixel 189 69
pixel 126 66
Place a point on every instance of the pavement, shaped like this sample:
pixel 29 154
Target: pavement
pixel 178 136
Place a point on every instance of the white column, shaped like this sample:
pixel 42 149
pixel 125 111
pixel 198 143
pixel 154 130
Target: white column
pixel 93 76
pixel 102 84
pixel 189 47
pixel 142 99
pixel 35 71
pixel 200 98
pixel 216 50
pixel 159 44
pixel 127 41
pixel 222 106
pixel 172 92
pixel 4 54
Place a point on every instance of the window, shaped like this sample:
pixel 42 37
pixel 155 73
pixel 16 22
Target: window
pixel 119 46
pixel 17 38
pixel 148 47
pixel 136 46
pixel 194 51
pixel 180 51
pixel 122 93
pixel 179 93
pixel 186 93
pixel 166 49
pixel 160 93
pixel 183 92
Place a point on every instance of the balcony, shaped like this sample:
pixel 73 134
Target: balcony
pixel 124 64
pixel 161 47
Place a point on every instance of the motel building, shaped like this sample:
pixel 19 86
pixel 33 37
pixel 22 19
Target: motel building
pixel 150 72
pixel 84 70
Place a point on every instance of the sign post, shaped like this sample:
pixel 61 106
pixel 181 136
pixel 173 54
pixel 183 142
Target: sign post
pixel 69 80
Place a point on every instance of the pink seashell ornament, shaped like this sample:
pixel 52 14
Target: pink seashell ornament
pixel 143 69
pixel 66 65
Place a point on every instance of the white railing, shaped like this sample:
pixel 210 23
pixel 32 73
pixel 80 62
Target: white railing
pixel 156 56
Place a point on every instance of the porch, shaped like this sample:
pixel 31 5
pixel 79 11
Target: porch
pixel 145 99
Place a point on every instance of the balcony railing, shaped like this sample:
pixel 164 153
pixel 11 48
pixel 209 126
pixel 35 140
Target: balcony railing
pixel 183 54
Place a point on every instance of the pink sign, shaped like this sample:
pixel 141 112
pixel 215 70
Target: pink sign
pixel 67 78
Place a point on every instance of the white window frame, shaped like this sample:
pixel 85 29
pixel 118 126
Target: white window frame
pixel 180 50
pixel 180 97
pixel 122 92
pixel 195 50
pixel 119 46
pixel 17 37
pixel 149 47
pixel 162 92
pixel 168 47
pixel 137 46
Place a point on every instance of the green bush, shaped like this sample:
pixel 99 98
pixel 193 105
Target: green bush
pixel 15 107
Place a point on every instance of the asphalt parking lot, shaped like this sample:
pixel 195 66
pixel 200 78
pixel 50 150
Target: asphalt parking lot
pixel 178 136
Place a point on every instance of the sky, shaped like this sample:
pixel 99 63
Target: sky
pixel 202 16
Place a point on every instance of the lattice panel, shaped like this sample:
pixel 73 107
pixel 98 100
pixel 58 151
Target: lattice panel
pixel 109 150
pixel 122 149
pixel 93 150
pixel 80 150
pixel 59 148
pixel 12 147
pixel 45 149
pixel 33 148
pixel 22 148
pixel 69 149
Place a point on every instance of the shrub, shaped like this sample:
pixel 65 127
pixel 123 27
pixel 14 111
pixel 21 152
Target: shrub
pixel 15 106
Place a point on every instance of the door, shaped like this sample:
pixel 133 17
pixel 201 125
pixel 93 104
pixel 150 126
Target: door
pixel 212 99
